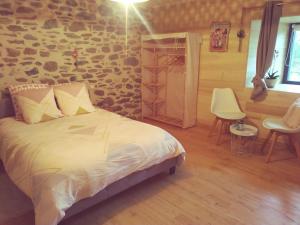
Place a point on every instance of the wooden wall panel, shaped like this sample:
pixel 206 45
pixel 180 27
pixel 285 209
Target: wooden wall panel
pixel 224 69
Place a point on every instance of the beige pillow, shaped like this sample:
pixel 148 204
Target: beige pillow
pixel 73 99
pixel 15 89
pixel 38 105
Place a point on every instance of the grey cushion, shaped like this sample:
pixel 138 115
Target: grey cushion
pixel 6 108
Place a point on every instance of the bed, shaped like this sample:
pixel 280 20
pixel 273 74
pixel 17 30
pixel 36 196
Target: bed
pixel 70 164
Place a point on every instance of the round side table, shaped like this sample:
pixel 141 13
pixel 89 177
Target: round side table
pixel 243 140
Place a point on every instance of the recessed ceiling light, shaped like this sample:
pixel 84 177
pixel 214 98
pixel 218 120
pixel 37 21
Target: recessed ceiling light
pixel 127 2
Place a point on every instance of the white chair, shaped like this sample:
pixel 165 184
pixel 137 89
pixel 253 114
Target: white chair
pixel 226 109
pixel 277 128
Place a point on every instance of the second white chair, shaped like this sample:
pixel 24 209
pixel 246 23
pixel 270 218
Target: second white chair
pixel 288 126
pixel 226 109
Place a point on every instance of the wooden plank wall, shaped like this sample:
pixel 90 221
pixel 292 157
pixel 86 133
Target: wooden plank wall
pixel 228 70
pixel 223 69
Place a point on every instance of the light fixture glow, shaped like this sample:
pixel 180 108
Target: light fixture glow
pixel 128 2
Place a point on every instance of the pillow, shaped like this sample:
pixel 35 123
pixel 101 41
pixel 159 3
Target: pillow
pixel 73 99
pixel 89 87
pixel 38 105
pixel 15 89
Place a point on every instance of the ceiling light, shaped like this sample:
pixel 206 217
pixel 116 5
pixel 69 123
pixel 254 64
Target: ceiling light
pixel 127 2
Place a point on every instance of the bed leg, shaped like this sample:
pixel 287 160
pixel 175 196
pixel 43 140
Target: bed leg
pixel 172 170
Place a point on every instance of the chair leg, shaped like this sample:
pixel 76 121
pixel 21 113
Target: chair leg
pixel 266 141
pixel 220 132
pixel 295 141
pixel 212 129
pixel 227 127
pixel 292 147
pixel 272 147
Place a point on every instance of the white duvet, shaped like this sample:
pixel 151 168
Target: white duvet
pixel 60 162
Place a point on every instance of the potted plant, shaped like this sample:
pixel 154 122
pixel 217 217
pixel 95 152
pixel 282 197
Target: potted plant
pixel 271 79
pixel 272 75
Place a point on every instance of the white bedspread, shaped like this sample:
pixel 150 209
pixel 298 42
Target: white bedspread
pixel 60 162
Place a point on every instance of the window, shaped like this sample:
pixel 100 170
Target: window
pixel 288 61
pixel 292 64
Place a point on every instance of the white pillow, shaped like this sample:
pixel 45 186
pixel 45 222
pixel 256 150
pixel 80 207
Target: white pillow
pixel 38 105
pixel 73 99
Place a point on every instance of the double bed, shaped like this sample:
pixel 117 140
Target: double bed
pixel 69 164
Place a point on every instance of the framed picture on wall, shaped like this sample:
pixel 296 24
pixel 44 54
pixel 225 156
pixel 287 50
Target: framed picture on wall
pixel 219 36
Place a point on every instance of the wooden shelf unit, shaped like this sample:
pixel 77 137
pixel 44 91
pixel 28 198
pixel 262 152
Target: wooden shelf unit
pixel 164 83
pixel 155 102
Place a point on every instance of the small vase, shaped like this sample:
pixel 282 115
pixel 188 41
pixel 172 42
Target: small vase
pixel 271 83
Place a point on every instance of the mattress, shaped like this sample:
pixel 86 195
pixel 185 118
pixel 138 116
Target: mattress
pixel 59 162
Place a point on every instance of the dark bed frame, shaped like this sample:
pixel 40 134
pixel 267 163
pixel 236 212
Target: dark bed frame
pixel 114 188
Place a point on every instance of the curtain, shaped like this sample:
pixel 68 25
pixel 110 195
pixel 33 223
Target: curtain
pixel 266 47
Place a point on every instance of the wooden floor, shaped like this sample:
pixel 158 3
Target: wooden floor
pixel 213 187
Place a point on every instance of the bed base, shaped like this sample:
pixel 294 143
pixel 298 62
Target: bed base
pixel 123 184
pixel 172 170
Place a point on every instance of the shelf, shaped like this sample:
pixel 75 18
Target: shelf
pixel 149 49
pixel 162 67
pixel 172 54
pixel 166 119
pixel 153 85
pixel 167 52
pixel 156 68
pixel 154 102
pixel 166 40
pixel 155 47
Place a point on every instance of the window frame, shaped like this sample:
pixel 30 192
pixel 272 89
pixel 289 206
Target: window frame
pixel 286 71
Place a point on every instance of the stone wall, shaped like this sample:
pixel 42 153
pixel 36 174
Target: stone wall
pixel 38 37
